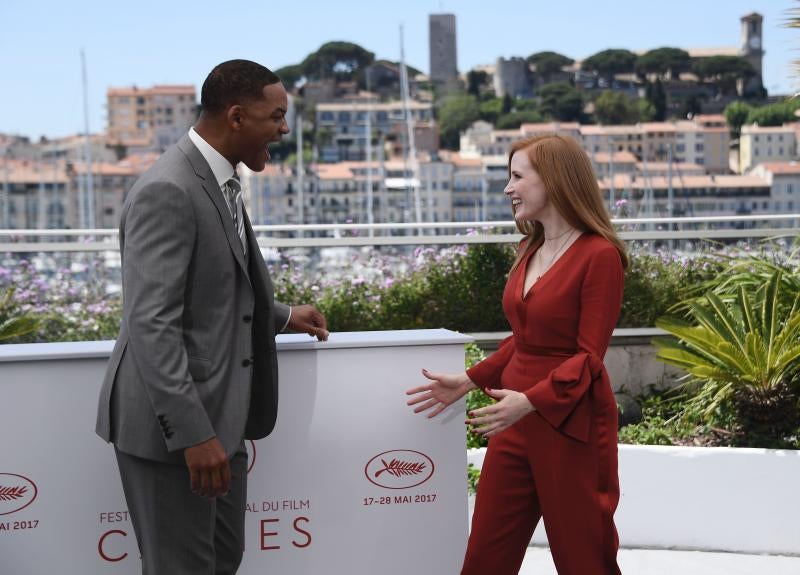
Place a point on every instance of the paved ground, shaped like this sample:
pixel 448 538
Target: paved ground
pixel 659 562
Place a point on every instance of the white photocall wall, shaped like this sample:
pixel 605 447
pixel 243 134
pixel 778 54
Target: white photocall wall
pixel 350 481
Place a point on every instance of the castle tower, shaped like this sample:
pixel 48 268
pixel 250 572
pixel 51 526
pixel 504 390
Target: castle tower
pixel 752 49
pixel 442 46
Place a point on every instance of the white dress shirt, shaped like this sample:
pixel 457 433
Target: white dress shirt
pixel 223 171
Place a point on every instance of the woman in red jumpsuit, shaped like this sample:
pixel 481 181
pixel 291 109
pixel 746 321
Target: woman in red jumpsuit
pixel 553 447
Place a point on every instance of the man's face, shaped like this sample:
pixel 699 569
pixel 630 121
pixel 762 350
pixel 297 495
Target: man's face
pixel 262 123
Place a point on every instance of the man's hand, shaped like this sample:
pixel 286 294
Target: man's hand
pixel 209 468
pixel 308 319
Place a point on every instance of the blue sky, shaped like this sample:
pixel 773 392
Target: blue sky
pixel 176 41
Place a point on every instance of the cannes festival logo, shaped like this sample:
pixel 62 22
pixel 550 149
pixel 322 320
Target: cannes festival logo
pixel 16 493
pixel 399 469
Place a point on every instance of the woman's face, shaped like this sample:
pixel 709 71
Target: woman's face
pixel 525 189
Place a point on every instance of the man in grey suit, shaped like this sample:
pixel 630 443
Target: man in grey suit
pixel 194 370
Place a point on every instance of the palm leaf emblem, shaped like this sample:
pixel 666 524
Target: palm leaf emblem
pixel 12 493
pixel 399 468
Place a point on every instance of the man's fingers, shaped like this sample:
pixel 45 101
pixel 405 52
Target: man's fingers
pixel 320 333
pixel 226 478
pixel 205 483
pixel 215 476
pixel 194 478
pixel 320 320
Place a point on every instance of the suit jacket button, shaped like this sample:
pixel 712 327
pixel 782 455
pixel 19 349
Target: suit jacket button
pixel 246 363
pixel 247 318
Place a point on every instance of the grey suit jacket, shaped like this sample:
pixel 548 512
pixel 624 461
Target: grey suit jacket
pixel 195 357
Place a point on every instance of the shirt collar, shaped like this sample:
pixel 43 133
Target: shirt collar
pixel 221 167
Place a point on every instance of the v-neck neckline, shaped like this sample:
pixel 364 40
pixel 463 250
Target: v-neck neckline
pixel 523 294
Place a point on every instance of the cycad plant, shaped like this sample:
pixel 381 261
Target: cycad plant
pixel 13 325
pixel 741 353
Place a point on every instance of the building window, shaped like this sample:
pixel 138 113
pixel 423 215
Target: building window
pixel 344 117
pixel 699 147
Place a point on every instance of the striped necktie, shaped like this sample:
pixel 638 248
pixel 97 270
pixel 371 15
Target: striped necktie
pixel 233 195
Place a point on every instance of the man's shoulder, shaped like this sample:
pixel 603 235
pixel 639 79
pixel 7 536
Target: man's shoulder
pixel 170 169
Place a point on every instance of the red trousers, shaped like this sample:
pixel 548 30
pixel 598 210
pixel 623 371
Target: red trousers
pixel 533 471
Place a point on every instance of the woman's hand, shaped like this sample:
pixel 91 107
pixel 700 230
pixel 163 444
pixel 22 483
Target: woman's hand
pixel 444 389
pixel 511 406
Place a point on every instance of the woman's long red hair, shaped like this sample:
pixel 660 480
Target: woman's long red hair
pixel 572 188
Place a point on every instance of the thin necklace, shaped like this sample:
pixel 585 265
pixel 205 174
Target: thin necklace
pixel 561 235
pixel 553 257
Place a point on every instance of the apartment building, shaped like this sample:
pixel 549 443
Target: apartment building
pixel 341 127
pixel 110 183
pixel 150 118
pixel 481 138
pixel 784 180
pixel 270 195
pixel 571 129
pixel 478 184
pixel 605 163
pixel 338 192
pixel 760 144
pixel 34 194
pixel 692 195
pixel 702 141
pixel 704 145
pixel 76 148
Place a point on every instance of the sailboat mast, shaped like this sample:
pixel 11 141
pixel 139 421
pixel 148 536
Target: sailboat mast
pixel 412 151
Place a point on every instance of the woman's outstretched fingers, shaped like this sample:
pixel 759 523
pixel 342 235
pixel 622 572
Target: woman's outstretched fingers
pixel 421 395
pixel 425 406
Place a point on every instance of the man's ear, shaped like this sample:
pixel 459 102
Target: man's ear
pixel 234 117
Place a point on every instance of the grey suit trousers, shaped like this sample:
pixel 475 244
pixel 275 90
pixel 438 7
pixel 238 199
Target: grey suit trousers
pixel 180 533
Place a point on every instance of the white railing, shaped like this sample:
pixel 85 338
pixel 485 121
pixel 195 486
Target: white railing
pixel 97 240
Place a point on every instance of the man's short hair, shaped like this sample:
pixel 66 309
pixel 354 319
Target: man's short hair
pixel 234 82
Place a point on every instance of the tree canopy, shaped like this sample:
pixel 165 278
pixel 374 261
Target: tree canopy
pixel 549 63
pixel 723 70
pixel 610 62
pixel 562 102
pixel 456 114
pixel 736 115
pixel 475 80
pixel 664 62
pixel 342 60
pixel 290 75
pixel 615 108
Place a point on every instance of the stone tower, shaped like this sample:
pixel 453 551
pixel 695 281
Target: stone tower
pixel 752 49
pixel 442 45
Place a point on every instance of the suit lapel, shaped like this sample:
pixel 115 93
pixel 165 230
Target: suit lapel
pixel 209 183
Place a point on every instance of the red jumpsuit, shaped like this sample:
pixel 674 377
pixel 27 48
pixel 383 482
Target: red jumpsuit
pixel 559 462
